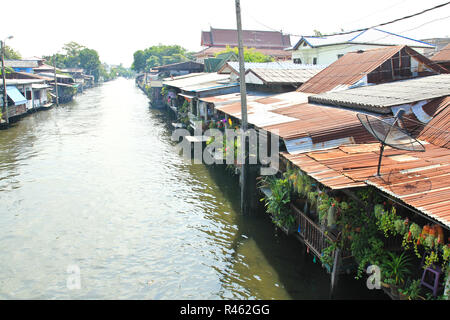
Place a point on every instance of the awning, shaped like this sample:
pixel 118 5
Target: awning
pixel 15 96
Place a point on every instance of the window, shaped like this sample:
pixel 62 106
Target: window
pixel 298 61
pixel 29 95
pixel 314 60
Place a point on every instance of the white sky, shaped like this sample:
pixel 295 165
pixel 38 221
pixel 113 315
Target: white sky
pixel 116 29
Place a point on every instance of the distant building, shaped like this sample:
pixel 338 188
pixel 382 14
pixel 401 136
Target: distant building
pixel 362 68
pixel 270 43
pixel 439 44
pixel 22 65
pixel 325 50
pixel 442 57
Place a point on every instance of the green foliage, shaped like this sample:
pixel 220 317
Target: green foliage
pixel 327 253
pixel 79 56
pixel 386 222
pixel 8 70
pixel 411 289
pixel 396 267
pixel 277 204
pixel 250 55
pixel 12 54
pixel 144 60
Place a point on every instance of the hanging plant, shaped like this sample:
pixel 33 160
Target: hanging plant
pixel 400 227
pixel 415 231
pixel 378 210
pixel 331 217
pixel 431 259
pixel 312 198
pixel 386 222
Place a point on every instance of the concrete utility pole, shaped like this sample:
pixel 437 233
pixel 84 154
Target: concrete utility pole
pixel 5 97
pixel 245 206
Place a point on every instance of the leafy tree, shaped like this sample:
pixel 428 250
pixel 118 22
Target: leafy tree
pixel 152 61
pixel 139 62
pixel 10 53
pixel 159 55
pixel 72 48
pixel 250 55
pixel 90 62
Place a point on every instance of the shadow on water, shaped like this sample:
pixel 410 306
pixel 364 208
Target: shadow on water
pixel 297 272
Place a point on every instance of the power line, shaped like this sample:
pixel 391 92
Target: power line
pixel 375 26
pixel 389 34
pixel 373 13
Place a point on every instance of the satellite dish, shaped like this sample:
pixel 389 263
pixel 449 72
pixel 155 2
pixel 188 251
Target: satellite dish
pixel 389 133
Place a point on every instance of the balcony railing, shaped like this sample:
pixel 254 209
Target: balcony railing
pixel 314 236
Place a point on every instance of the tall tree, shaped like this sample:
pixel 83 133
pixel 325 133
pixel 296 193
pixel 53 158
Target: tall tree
pixel 139 62
pixel 159 55
pixel 10 53
pixel 73 48
pixel 90 62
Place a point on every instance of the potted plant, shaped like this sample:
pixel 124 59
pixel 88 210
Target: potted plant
pixel 396 267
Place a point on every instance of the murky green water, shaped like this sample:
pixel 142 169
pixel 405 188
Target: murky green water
pixel 96 184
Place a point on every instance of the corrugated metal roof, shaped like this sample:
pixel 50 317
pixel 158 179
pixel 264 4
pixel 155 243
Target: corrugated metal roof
pixel 14 82
pixel 276 65
pixel 250 38
pixel 437 131
pixel 226 99
pixel 381 97
pixel 320 123
pixel 443 54
pixel 354 66
pixel 283 76
pixel 21 63
pixel 15 96
pixel 195 79
pixel 419 179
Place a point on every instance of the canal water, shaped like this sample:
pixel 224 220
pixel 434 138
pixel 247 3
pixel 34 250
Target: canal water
pixel 96 186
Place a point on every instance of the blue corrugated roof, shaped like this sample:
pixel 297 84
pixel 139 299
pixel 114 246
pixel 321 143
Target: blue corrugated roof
pixel 15 95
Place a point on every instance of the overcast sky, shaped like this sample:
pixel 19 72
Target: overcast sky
pixel 116 29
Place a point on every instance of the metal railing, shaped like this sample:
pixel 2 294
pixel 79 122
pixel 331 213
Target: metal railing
pixel 314 236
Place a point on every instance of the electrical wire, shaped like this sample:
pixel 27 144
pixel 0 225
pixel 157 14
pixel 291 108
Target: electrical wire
pixel 363 29
pixel 376 12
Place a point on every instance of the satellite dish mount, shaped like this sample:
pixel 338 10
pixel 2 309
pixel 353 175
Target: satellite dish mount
pixel 388 132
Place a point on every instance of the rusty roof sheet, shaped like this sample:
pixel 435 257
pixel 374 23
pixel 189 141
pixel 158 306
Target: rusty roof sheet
pixel 321 123
pixel 443 54
pixel 437 131
pixel 419 179
pixel 381 97
pixel 354 66
pixel 250 38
